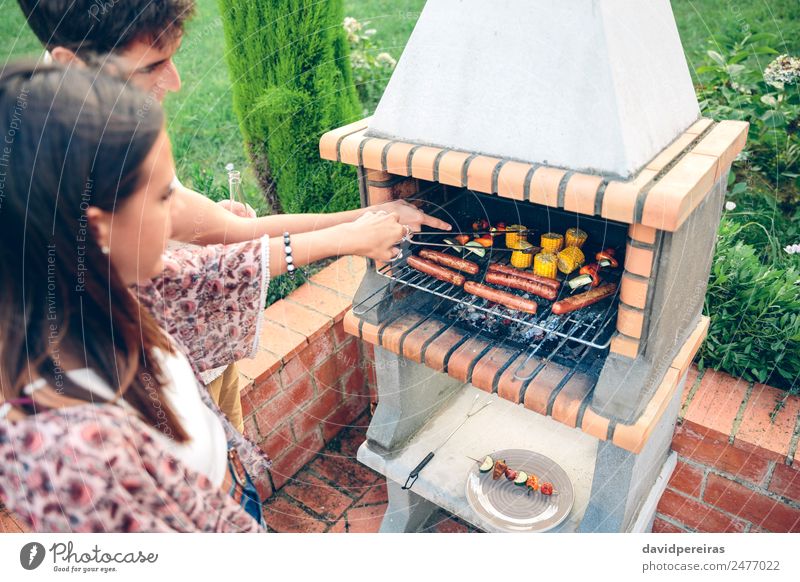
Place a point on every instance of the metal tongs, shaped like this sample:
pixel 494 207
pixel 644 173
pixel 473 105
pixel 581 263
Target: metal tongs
pixel 414 475
pixel 445 233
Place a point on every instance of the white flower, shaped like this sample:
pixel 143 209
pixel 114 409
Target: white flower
pixel 784 70
pixel 793 249
pixel 358 60
pixel 351 25
pixel 386 59
pixel 730 205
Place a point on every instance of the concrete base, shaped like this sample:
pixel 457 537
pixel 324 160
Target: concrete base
pixel 408 394
pixel 407 511
pixel 499 426
pixel 615 490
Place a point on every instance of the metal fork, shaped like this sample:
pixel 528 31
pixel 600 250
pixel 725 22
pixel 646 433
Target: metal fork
pixel 414 475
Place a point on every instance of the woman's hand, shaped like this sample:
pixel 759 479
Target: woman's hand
pixel 375 235
pixel 237 208
pixel 410 215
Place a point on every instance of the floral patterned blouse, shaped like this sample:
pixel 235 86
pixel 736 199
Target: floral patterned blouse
pixel 95 468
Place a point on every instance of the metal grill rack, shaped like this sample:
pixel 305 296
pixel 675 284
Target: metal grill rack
pixel 592 326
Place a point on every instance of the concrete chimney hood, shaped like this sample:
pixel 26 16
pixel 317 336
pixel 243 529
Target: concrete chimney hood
pixel 595 86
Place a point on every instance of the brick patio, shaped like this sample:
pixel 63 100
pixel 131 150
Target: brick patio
pixel 335 493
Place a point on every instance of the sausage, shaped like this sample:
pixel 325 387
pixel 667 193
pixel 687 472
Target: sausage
pixel 514 282
pixel 450 261
pixel 584 299
pixel 495 268
pixel 436 271
pixel 503 298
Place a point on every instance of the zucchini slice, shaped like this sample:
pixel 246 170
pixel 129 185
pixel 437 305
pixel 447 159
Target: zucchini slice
pixel 487 465
pixel 475 247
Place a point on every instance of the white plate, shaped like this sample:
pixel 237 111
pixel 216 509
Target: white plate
pixel 513 507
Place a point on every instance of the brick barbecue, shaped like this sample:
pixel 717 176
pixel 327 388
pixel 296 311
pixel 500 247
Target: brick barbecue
pixel 552 117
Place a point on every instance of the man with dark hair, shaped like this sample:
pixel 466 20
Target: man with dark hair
pixel 144 35
pixel 136 39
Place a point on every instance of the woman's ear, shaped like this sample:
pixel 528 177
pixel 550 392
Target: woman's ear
pixel 65 56
pixel 100 226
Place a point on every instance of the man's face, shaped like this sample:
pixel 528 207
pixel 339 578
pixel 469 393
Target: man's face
pixel 151 69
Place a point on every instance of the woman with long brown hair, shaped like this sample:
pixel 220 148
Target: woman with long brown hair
pixel 103 425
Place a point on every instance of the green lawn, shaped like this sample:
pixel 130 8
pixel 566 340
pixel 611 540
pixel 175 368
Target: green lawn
pixel 201 120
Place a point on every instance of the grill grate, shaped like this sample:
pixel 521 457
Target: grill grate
pixel 591 326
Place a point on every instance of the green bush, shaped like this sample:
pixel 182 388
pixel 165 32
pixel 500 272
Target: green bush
pixel 372 67
pixel 753 297
pixel 292 83
pixel 735 85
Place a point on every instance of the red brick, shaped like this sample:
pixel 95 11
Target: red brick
pixel 292 371
pixel 348 357
pixel 280 341
pixel 449 525
pixel 568 402
pixel 318 351
pixel 541 387
pixel 696 515
pixel 412 345
pixel 310 418
pixel 687 479
pixel 758 432
pixel 348 474
pixel 367 351
pixel 437 350
pixel 759 509
pixel 393 333
pixel 284 405
pixel 365 519
pixel 356 384
pixel 264 489
pixel 343 276
pixel 318 496
pixel 691 377
pixel 284 516
pixel 786 482
pixel 712 451
pixel 362 422
pixel 251 430
pixel 369 367
pixel 343 416
pixel 508 386
pixel 323 300
pixel 661 526
pixel 261 393
pixel 340 336
pixel 9 524
pixel 278 441
pixel 295 458
pixel 716 403
pixel 375 495
pixel 327 374
pixel 486 369
pixel 298 318
pixel 245 384
pixel 350 439
pixel 261 367
pixel 464 357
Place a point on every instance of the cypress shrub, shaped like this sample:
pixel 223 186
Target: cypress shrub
pixel 289 66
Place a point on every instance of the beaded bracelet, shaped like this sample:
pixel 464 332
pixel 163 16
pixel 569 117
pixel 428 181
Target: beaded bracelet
pixel 287 248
